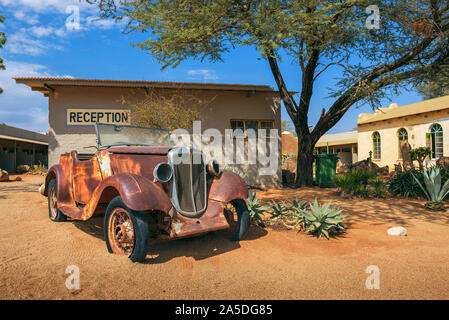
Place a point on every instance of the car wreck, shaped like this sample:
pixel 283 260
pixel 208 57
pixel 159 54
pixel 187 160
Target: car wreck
pixel 147 188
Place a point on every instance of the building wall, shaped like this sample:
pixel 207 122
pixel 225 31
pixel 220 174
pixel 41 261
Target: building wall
pixel 416 125
pixel 224 106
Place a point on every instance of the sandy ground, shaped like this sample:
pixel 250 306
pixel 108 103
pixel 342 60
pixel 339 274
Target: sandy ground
pixel 268 264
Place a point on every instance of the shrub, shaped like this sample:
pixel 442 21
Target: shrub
pixel 355 181
pixel 404 184
pixel 420 154
pixel 379 188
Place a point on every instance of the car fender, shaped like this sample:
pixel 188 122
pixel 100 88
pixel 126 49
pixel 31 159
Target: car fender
pixel 228 186
pixel 63 183
pixel 137 192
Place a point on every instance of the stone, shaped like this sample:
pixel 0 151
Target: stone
pixel 18 179
pixel 4 176
pixel 23 168
pixel 397 231
pixel 42 189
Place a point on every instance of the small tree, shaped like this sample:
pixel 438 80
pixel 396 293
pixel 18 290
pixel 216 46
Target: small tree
pixel 2 43
pixel 420 154
pixel 168 110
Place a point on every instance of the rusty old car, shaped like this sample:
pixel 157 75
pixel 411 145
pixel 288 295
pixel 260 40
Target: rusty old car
pixel 147 189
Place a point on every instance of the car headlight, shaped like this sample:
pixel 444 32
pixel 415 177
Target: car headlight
pixel 213 168
pixel 162 172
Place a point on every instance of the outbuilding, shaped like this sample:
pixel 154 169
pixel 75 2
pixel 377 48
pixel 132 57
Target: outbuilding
pixel 21 147
pixel 75 105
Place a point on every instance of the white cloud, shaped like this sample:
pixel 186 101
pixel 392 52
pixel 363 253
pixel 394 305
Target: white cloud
pixel 40 31
pixel 45 6
pixel 202 74
pixel 19 106
pixel 26 17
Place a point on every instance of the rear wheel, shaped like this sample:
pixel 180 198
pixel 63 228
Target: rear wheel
pixel 126 231
pixel 53 212
pixel 237 215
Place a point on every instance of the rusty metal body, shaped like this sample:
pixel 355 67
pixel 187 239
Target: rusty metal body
pixel 85 188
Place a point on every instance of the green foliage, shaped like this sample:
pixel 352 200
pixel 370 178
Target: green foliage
pixel 420 154
pixel 379 188
pixel 404 184
pixel 2 43
pixel 38 169
pixel 236 170
pixel 355 181
pixel 255 208
pixel 321 36
pixel 289 213
pixel 434 191
pixel 323 220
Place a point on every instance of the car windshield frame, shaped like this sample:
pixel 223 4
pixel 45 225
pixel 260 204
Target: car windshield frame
pixel 128 143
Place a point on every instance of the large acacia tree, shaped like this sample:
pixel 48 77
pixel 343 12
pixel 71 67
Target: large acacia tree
pixel 410 45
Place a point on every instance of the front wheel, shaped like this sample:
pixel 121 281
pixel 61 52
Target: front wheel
pixel 126 231
pixel 53 212
pixel 237 215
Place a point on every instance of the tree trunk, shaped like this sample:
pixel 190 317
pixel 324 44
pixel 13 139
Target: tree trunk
pixel 304 163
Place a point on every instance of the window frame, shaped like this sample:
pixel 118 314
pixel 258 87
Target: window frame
pixel 375 135
pixel 259 121
pixel 431 140
pixel 399 140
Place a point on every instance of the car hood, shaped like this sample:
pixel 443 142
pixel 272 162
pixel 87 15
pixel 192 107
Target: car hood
pixel 162 150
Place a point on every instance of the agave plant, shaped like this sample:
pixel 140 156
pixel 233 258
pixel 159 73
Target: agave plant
pixel 323 220
pixel 434 192
pixel 255 208
pixel 289 214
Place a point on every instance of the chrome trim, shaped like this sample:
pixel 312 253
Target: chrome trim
pixel 173 191
pixel 155 176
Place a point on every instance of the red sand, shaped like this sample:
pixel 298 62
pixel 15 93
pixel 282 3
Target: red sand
pixel 268 264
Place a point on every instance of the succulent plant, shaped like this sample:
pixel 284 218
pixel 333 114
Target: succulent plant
pixel 434 192
pixel 323 220
pixel 255 208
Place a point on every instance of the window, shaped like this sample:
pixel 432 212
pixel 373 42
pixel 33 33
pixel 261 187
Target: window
pixel 376 146
pixel 402 136
pixel 434 140
pixel 243 127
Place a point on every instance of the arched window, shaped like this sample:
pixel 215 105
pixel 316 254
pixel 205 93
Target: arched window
pixel 434 140
pixel 402 136
pixel 376 145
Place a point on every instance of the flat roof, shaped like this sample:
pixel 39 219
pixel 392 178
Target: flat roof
pixel 337 139
pixel 44 84
pixel 394 111
pixel 18 134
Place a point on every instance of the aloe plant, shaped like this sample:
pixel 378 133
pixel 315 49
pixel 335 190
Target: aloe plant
pixel 323 220
pixel 434 192
pixel 255 208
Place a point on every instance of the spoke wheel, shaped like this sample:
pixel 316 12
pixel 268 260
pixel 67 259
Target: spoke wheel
pixel 121 232
pixel 53 204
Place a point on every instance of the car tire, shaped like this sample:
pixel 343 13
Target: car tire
pixel 53 212
pixel 243 221
pixel 115 235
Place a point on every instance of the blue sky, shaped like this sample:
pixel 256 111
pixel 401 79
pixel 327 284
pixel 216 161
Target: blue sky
pixel 40 44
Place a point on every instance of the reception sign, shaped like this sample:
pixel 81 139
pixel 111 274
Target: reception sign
pixel 87 116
